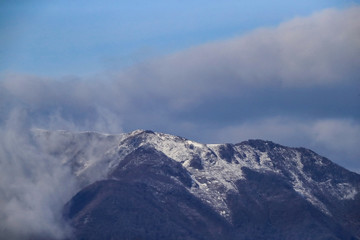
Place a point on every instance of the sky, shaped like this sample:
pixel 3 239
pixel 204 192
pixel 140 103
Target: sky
pixel 206 70
pixel 210 71
pixel 57 38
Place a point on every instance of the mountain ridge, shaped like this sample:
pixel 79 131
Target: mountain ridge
pixel 219 176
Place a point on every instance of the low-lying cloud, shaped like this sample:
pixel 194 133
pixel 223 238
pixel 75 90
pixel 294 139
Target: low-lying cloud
pixel 336 138
pixel 34 186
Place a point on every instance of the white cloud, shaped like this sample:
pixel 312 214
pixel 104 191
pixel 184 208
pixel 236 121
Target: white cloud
pixel 318 50
pixel 33 185
pixel 338 135
pixel 338 138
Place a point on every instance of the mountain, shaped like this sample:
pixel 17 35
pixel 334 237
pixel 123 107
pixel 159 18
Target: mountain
pixel 148 185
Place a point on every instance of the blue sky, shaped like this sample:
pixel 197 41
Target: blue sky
pixel 60 38
pixel 286 71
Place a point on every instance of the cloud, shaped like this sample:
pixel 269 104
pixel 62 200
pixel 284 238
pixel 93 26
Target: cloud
pixel 319 50
pixel 337 138
pixel 34 186
pixel 338 135
pixel 69 103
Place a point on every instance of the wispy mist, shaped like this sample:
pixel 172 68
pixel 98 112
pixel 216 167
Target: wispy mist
pixel 34 186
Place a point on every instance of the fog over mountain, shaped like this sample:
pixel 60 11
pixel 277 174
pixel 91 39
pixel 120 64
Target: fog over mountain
pixel 34 185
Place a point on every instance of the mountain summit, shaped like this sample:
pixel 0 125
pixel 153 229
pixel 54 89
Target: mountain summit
pixel 149 185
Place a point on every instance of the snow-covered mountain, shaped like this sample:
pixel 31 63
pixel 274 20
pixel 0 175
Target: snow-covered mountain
pixel 148 185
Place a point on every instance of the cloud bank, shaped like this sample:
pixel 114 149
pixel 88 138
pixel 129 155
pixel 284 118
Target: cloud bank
pixel 296 84
pixel 317 51
pixel 335 138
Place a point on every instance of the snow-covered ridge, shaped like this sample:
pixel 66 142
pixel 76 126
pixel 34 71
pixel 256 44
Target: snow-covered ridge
pixel 214 168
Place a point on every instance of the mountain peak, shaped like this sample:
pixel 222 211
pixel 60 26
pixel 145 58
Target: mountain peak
pixel 238 183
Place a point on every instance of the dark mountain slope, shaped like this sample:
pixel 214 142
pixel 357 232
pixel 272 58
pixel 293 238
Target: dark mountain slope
pixel 148 200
